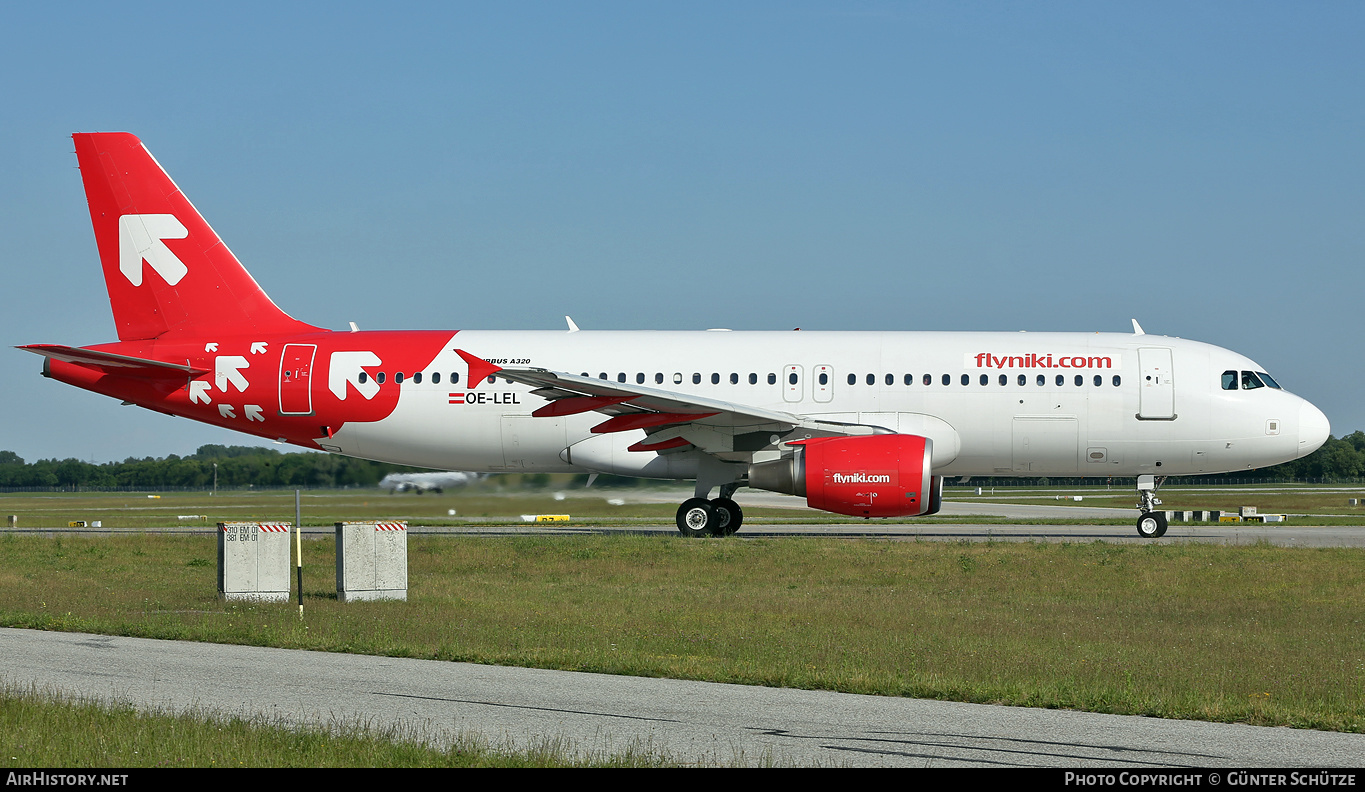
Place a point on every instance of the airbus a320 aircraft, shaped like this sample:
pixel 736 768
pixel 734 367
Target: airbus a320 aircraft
pixel 859 423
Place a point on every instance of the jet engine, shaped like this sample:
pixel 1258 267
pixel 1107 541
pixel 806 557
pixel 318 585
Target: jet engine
pixel 868 476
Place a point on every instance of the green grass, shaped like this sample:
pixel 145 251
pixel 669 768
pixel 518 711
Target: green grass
pixel 483 505
pixel 1254 634
pixel 1269 499
pixel 41 731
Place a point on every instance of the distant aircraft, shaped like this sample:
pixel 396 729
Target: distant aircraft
pixel 859 423
pixel 426 482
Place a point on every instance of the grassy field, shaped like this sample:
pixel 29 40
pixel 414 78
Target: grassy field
pixel 1260 634
pixel 40 731
pixel 1328 504
pixel 486 505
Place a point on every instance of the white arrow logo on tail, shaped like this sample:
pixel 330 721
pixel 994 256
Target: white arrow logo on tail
pixel 225 370
pixel 345 367
pixel 258 347
pixel 199 392
pixel 225 410
pixel 140 238
pixel 253 413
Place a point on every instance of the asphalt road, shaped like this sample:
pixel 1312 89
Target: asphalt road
pixel 691 722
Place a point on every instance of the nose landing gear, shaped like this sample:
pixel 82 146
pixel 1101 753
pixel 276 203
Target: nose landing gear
pixel 1151 524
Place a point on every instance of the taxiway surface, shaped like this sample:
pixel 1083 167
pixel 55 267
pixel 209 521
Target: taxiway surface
pixel 585 714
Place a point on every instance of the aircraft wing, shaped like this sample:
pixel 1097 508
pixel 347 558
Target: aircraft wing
pixel 671 420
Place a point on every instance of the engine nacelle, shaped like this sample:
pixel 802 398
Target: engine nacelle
pixel 868 476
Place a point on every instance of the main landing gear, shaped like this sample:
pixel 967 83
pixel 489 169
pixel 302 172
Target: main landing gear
pixel 1152 523
pixel 721 516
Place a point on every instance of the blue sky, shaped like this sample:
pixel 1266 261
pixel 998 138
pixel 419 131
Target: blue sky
pixel 900 166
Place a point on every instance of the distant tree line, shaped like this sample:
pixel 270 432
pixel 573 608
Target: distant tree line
pixel 238 466
pixel 1338 459
pixel 251 466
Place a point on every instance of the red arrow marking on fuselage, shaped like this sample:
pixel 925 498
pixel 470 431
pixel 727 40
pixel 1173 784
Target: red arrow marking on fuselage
pixel 479 369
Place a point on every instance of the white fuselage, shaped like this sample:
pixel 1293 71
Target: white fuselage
pixel 1143 404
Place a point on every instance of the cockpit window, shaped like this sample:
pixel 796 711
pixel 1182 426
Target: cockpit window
pixel 1250 381
pixel 1268 380
pixel 1229 380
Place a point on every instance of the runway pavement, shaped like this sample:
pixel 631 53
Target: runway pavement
pixel 690 722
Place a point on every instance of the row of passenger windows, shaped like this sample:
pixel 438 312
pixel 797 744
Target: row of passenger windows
pixel 696 378
pixel 1249 380
pixel 871 379
pixel 983 379
pixel 416 378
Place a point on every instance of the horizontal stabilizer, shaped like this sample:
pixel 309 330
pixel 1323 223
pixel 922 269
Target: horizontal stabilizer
pixel 109 363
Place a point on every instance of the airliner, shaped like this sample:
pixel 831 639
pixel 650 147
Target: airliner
pixel 426 482
pixel 865 424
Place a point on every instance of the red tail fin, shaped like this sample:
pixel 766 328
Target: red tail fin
pixel 167 272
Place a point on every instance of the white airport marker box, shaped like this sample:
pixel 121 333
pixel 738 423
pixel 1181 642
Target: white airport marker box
pixel 253 561
pixel 372 561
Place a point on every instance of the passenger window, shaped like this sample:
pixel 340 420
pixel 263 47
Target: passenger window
pixel 824 378
pixel 1060 380
pixel 1041 380
pixel 492 379
pixel 1117 380
pixel 871 379
pixel 792 378
pixel 753 378
pixel 364 378
pixel 966 379
pixel 947 379
pixel 1229 380
pixel 455 377
pixel 1250 381
pixel 1023 379
pixel 909 379
pixel 658 378
pixel 1079 380
pixel 639 378
pixel 696 378
pixel 890 379
pixel 734 378
pixel 985 379
pixel 852 379
pixel 398 378
pixel 772 379
pixel 715 378
pixel 1004 379
pixel 677 378
pixel 435 378
pixel 603 375
pixel 379 378
pixel 928 379
pixel 621 376
pixel 1098 380
pixel 417 378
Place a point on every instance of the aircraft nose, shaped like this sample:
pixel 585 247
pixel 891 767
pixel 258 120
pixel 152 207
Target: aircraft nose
pixel 1313 428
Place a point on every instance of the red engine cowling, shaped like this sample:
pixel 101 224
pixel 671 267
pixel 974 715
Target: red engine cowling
pixel 867 476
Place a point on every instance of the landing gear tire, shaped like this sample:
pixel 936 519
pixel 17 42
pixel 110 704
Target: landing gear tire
pixel 1151 525
pixel 696 518
pixel 729 517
